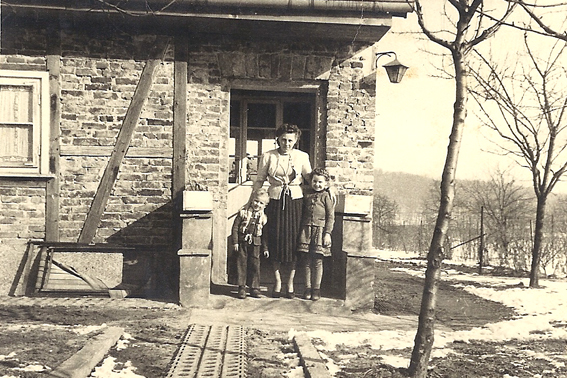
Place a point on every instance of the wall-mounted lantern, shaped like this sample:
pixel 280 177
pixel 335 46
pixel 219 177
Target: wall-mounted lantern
pixel 394 69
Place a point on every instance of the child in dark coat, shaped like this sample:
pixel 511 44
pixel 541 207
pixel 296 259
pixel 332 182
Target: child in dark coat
pixel 247 241
pixel 316 226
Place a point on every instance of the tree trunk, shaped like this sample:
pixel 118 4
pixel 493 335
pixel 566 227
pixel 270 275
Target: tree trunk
pixel 538 240
pixel 425 331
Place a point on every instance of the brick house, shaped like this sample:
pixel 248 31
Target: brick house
pixel 110 110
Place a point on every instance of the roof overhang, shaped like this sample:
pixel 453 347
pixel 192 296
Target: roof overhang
pixel 352 20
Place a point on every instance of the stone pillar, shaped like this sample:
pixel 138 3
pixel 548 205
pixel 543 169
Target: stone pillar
pixel 196 247
pixel 353 265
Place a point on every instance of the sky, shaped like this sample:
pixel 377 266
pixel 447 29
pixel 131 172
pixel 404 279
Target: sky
pixel 414 117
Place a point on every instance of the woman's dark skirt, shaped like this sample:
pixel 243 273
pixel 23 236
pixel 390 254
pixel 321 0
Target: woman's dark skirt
pixel 283 228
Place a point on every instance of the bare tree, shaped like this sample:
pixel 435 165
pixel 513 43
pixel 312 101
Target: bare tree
pixel 526 105
pixel 507 206
pixel 385 210
pixel 468 28
pixel 384 214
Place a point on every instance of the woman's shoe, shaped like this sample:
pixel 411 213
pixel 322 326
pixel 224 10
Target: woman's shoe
pixel 276 294
pixel 290 295
pixel 316 294
pixel 307 294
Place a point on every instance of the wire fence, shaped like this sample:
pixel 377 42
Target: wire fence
pixel 508 246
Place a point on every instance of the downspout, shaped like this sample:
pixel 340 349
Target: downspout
pixel 381 6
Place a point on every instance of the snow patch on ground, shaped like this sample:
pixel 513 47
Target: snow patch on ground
pixel 32 368
pixel 124 341
pixel 296 372
pixel 110 369
pixel 8 357
pixel 539 311
pixel 85 330
pixel 78 329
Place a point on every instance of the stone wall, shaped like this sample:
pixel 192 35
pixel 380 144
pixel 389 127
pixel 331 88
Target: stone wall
pixel 350 130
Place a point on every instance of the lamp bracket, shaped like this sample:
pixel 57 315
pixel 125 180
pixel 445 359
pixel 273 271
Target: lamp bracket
pixel 381 54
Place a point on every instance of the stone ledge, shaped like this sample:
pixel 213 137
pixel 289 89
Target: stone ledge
pixel 84 361
pixel 313 364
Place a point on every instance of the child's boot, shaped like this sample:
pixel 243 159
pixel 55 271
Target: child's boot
pixel 307 293
pixel 242 292
pixel 316 294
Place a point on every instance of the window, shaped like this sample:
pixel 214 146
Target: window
pixel 254 117
pixel 24 122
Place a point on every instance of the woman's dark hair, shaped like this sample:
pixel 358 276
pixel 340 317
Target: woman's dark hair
pixel 288 128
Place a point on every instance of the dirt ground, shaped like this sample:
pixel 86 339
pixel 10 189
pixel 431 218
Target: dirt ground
pixel 43 337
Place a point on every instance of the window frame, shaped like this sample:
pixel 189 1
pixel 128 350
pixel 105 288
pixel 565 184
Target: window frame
pixel 39 81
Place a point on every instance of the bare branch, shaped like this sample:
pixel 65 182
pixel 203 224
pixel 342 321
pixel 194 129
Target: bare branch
pixel 488 32
pixel 548 31
pixel 419 12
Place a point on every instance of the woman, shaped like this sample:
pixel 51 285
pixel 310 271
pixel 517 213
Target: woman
pixel 285 169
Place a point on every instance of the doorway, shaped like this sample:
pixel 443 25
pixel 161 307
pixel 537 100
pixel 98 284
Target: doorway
pixel 254 118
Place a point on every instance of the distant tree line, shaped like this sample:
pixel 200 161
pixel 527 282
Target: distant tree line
pixel 509 210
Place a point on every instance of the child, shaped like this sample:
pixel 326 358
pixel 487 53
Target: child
pixel 247 240
pixel 316 227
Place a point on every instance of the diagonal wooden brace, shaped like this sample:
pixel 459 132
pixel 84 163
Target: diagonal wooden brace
pixel 123 141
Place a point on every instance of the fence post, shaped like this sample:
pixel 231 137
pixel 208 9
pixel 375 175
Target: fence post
pixel 481 244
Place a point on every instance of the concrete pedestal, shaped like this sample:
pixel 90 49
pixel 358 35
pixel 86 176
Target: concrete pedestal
pixel 353 269
pixel 196 249
pixel 197 231
pixel 194 277
pixel 360 279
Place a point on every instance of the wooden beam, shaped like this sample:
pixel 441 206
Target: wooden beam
pixel 123 141
pixel 42 268
pixel 179 132
pixel 106 151
pixel 52 188
pixel 180 117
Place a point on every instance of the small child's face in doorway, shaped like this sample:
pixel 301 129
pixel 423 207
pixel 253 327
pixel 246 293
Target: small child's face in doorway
pixel 258 205
pixel 318 183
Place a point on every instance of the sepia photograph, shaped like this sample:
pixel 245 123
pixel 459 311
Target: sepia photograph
pixel 283 188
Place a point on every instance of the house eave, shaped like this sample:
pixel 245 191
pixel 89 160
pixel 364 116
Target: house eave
pixel 244 22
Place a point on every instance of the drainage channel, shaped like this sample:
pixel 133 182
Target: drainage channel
pixel 211 352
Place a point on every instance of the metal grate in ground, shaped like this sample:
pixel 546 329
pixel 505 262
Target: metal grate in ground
pixel 211 352
pixel 235 354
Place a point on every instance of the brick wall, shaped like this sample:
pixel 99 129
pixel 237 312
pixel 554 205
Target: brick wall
pixel 99 72
pixel 216 66
pixel 350 129
pixel 95 94
pixel 22 217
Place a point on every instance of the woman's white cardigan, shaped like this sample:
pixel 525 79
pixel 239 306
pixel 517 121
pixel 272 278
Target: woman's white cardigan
pixel 267 168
